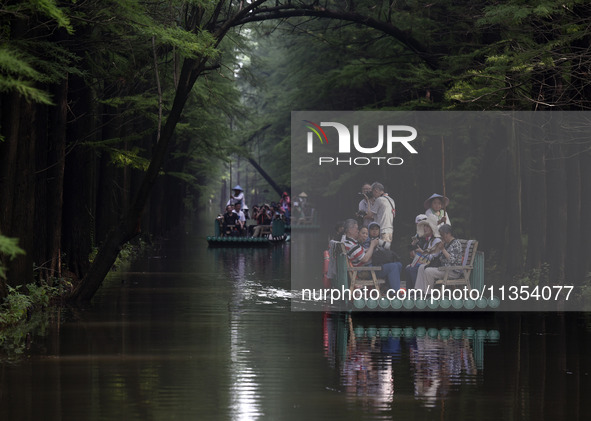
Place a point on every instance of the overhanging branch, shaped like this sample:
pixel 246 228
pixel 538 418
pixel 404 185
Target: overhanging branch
pixel 288 11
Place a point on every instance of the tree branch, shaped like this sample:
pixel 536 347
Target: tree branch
pixel 159 90
pixel 288 11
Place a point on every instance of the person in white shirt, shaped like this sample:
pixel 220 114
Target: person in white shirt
pixel 385 211
pixel 237 196
pixel 241 218
pixel 437 205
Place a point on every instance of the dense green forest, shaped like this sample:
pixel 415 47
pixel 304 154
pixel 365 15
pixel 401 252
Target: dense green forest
pixel 120 117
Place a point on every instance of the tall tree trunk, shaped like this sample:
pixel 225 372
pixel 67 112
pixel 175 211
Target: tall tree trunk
pixel 77 183
pixel 536 213
pixel 493 180
pixel 156 211
pixel 109 180
pixel 223 191
pixel 128 226
pixel 11 107
pixel 55 175
pixel 23 203
pixel 584 244
pixel 266 176
pixel 8 153
pixel 572 270
pixel 557 213
pixel 514 248
pixel 42 165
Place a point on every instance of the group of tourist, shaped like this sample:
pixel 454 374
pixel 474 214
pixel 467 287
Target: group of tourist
pixel 234 221
pixel 368 239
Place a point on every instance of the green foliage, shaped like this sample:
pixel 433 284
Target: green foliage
pixel 20 314
pixel 41 294
pixel 516 12
pixel 484 55
pixel 534 277
pixel 15 69
pixel 189 44
pixel 130 251
pixel 8 247
pixel 50 9
pixel 533 42
pixel 15 62
pixel 15 339
pixel 129 158
pixel 15 307
pixel 26 62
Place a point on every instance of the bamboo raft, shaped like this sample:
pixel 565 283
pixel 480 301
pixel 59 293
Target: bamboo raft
pixel 277 235
pixel 219 241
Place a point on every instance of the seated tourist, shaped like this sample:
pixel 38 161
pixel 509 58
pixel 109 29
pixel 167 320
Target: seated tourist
pixel 255 211
pixel 241 223
pixel 277 211
pixel 416 240
pixel 263 219
pixel 229 222
pixel 374 232
pixel 358 256
pixel 363 238
pixel 451 255
pixel 383 252
pixel 425 249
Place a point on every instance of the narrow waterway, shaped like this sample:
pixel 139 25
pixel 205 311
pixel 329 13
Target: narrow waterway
pixel 195 333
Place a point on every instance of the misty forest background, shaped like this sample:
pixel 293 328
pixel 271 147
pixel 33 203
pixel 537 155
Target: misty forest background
pixel 121 117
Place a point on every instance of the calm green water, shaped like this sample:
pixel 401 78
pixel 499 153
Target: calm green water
pixel 207 334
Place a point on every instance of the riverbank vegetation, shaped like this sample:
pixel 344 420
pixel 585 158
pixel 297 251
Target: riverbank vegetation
pixel 119 118
pixel 27 306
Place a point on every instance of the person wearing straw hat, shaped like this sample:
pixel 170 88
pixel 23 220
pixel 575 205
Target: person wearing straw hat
pixel 237 196
pixel 300 208
pixel 437 205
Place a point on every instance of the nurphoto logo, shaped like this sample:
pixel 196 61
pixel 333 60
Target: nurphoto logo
pixel 386 134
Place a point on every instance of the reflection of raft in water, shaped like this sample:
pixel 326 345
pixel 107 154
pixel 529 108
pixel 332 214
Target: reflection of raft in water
pixel 276 236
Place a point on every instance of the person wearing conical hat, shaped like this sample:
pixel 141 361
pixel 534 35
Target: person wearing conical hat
pixel 237 196
pixel 301 208
pixel 437 205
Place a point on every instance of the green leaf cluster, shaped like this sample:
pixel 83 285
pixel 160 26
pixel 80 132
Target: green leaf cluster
pixel 8 248
pixel 26 62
